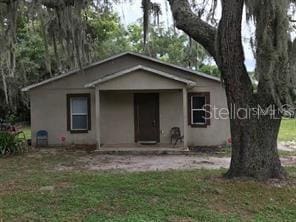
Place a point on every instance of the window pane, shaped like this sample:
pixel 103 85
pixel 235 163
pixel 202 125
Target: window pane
pixel 79 122
pixel 79 105
pixel 199 116
pixel 198 102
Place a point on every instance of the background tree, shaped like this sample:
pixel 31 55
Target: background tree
pixel 168 45
pixel 43 38
pixel 42 41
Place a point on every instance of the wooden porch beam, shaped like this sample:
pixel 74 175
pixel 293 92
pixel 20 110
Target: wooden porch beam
pixel 97 105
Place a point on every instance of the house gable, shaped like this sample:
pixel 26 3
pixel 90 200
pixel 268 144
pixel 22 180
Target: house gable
pixel 140 77
pixel 78 79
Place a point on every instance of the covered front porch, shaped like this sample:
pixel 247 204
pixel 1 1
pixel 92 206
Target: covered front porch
pixel 123 122
pixel 138 110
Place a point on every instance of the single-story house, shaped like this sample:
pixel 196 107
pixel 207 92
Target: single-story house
pixel 129 99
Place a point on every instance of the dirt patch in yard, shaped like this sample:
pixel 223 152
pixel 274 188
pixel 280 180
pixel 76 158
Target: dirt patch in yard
pixel 289 146
pixel 142 163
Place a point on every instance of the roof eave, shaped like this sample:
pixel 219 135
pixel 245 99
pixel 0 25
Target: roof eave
pixel 28 88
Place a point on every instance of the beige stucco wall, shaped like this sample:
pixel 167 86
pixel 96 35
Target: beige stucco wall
pixel 140 80
pixel 117 117
pixel 49 112
pixel 48 105
pixel 170 113
pixel 218 131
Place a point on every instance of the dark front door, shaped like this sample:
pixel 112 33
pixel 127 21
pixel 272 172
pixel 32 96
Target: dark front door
pixel 146 117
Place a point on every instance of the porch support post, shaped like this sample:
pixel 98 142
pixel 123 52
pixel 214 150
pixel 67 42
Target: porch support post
pixel 98 130
pixel 185 116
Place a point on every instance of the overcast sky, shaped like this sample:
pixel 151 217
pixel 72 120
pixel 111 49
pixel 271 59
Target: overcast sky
pixel 131 12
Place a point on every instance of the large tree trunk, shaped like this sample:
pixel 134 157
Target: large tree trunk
pixel 254 148
pixel 5 88
pixel 45 40
pixel 254 139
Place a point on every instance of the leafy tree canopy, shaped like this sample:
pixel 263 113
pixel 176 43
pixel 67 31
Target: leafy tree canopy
pixel 42 38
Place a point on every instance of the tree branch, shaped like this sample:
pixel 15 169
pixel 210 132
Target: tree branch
pixel 7 1
pixel 230 53
pixel 193 25
pixel 57 3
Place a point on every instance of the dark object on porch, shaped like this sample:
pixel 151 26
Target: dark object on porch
pixel 42 138
pixel 176 135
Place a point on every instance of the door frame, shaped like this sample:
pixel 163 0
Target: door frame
pixel 136 117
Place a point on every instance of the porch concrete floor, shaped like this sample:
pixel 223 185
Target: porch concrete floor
pixel 142 149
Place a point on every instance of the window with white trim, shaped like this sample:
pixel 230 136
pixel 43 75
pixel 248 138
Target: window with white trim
pixel 199 109
pixel 78 113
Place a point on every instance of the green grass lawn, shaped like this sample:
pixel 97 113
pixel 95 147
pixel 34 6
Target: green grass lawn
pixel 288 130
pixel 199 195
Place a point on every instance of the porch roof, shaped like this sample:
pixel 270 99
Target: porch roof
pixel 140 67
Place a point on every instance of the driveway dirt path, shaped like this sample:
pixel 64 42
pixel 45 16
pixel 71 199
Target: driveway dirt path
pixel 152 163
pixel 289 146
